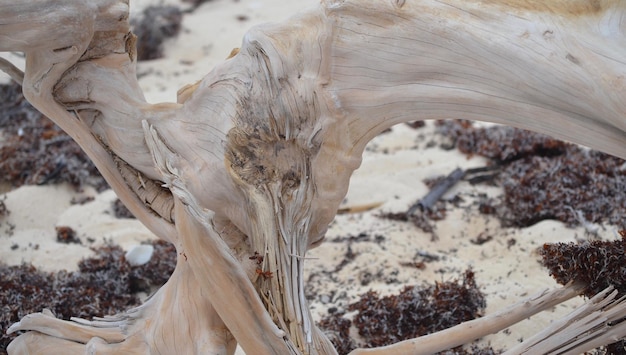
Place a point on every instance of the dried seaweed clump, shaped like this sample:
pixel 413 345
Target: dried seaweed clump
pixel 578 187
pixel 422 218
pixel 597 264
pixel 105 284
pixel 157 23
pixel 4 211
pixel 505 144
pixel 337 329
pixel 195 3
pixel 121 211
pixel 67 235
pixel 413 312
pixel 544 178
pixel 35 151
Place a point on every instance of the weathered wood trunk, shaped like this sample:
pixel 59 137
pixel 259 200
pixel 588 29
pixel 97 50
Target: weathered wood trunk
pixel 255 158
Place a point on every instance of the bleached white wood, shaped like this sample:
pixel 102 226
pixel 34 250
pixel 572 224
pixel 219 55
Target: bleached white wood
pixel 247 170
pixel 585 328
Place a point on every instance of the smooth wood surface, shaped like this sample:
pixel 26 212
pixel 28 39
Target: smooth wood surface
pixel 247 170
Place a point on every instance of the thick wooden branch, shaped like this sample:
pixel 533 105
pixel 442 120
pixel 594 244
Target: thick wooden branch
pixel 555 67
pixel 256 157
pixel 55 36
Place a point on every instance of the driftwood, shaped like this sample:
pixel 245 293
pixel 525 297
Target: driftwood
pixel 430 199
pixel 245 172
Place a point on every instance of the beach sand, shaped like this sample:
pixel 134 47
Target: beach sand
pixel 389 180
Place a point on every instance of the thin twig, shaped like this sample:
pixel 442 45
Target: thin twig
pixel 14 72
pixel 482 174
pixel 428 201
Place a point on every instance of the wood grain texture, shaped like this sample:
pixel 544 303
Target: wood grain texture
pixel 245 173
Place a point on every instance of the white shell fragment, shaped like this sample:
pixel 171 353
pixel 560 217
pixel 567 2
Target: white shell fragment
pixel 139 254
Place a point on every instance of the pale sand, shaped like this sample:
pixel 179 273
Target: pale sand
pixel 391 176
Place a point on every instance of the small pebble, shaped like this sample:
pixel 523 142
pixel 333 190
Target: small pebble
pixel 140 254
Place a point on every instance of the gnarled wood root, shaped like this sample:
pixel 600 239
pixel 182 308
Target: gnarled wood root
pixel 253 161
pixel 164 324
